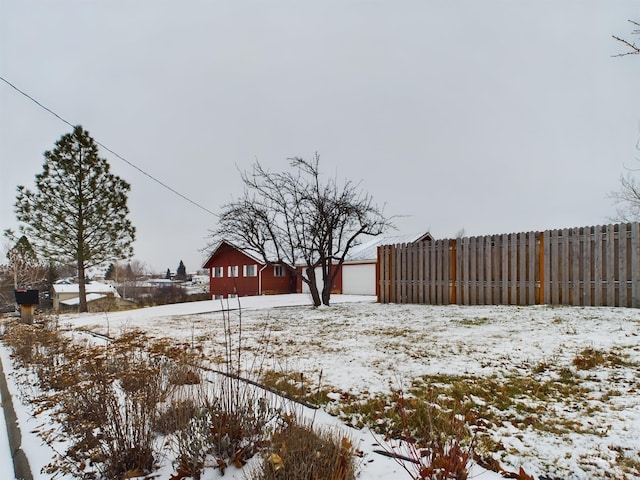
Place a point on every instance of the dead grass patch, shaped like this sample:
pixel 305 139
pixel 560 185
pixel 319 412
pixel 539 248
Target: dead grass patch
pixel 297 386
pixel 301 451
pixel 590 358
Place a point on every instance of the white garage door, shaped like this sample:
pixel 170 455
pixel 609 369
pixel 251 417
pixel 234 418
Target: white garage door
pixel 319 282
pixel 359 279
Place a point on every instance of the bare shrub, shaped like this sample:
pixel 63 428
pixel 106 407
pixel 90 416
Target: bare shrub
pixel 175 416
pixel 23 340
pixel 105 398
pixel 110 414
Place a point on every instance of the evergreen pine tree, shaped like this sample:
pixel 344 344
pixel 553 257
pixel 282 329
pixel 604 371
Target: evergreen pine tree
pixel 181 272
pixel 79 208
pixel 110 273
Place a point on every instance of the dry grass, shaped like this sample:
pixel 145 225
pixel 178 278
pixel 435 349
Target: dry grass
pixel 296 386
pixel 299 451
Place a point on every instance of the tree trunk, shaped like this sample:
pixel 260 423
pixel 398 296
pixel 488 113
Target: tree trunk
pixel 327 278
pixel 313 286
pixel 82 290
pixel 326 294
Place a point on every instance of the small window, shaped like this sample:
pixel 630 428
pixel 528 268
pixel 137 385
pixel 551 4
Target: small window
pixel 217 272
pixel 278 271
pixel 233 295
pixel 218 297
pixel 233 271
pixel 249 271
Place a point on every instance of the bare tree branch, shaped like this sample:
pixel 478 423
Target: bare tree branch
pixel 627 197
pixel 634 49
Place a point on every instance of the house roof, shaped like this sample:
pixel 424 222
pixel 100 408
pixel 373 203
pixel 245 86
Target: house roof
pixel 221 244
pixel 368 250
pixel 91 297
pixel 91 287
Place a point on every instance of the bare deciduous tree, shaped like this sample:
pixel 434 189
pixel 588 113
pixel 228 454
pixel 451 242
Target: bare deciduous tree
pixel 24 266
pixel 126 276
pixel 627 197
pixel 295 218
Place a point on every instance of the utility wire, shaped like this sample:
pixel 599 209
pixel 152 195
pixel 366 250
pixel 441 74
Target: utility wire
pixel 171 189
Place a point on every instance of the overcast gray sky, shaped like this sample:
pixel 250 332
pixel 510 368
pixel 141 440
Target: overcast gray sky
pixel 492 116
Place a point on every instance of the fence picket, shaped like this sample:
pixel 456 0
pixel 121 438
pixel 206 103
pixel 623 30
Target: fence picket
pixel 530 299
pixel 575 246
pixel 587 252
pixel 488 271
pixel 622 265
pixel 610 262
pixel 597 266
pixel 473 271
pixel 480 299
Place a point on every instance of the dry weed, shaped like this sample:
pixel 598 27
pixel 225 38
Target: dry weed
pixel 301 452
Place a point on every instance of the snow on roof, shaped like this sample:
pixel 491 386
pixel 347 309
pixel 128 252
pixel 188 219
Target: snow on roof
pixel 368 250
pixel 91 287
pixel 245 252
pixel 76 300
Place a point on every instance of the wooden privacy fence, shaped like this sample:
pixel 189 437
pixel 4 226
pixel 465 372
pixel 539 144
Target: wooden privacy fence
pixel 589 266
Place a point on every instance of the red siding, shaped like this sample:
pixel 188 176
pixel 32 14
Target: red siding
pixel 274 285
pixel 264 281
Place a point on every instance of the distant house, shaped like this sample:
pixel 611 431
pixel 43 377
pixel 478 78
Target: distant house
pixel 234 272
pixel 100 297
pixel 358 275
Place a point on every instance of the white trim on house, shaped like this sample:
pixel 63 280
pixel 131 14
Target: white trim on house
pixel 250 270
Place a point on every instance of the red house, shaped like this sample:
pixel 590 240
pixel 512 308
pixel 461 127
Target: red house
pixel 234 272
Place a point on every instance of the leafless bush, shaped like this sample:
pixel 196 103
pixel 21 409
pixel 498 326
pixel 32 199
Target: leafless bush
pixel 220 422
pixel 224 420
pixel 105 398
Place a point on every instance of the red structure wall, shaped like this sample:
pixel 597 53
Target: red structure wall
pixel 264 281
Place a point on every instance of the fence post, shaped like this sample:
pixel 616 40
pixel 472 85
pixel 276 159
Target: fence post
pixel 540 299
pixel 635 265
pixel 622 264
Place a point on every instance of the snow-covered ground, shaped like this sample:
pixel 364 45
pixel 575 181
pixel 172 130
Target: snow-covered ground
pixel 361 347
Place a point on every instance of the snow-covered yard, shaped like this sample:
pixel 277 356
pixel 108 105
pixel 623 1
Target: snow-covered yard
pixel 363 348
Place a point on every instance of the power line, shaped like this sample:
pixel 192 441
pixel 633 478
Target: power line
pixel 131 164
